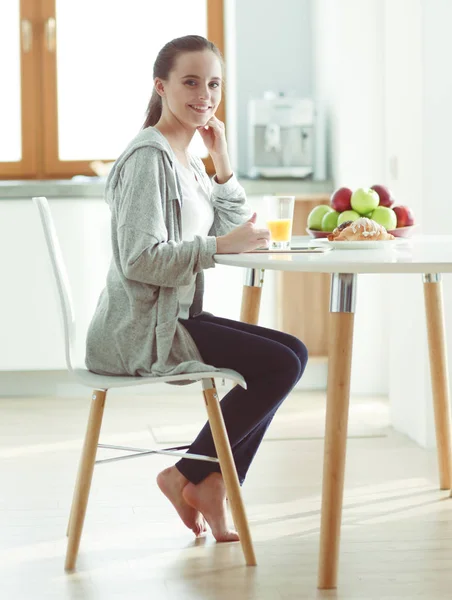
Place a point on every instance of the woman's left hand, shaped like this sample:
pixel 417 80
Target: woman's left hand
pixel 214 137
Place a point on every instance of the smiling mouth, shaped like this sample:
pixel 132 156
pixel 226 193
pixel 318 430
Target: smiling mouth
pixel 200 109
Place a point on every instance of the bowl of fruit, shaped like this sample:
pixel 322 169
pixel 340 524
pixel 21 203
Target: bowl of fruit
pixel 376 203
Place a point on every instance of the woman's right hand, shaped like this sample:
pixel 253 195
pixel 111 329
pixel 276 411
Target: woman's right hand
pixel 245 238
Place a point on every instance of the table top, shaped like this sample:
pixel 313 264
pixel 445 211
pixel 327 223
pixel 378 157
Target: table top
pixel 420 254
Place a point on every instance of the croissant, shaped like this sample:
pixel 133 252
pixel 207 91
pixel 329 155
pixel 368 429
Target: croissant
pixel 362 229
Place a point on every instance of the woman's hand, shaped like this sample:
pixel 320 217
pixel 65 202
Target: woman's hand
pixel 214 137
pixel 245 238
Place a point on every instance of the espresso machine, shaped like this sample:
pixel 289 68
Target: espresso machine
pixel 281 136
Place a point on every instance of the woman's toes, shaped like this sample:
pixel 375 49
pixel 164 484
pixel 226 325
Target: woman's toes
pixel 209 498
pixel 226 536
pixel 171 485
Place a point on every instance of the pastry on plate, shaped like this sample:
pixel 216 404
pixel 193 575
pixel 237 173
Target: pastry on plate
pixel 361 230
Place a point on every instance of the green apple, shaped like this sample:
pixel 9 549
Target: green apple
pixel 347 215
pixel 316 215
pixel 385 216
pixel 329 221
pixel 364 200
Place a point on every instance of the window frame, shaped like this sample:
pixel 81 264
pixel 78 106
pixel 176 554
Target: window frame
pixel 39 111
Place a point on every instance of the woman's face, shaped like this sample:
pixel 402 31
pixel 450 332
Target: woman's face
pixel 192 92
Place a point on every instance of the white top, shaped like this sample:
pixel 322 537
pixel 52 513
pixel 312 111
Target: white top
pixel 197 219
pixel 420 254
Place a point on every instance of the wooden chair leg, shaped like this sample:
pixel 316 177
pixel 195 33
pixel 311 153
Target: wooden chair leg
pixel 251 296
pixel 74 495
pixel 228 470
pixel 73 498
pixel 439 375
pixel 85 475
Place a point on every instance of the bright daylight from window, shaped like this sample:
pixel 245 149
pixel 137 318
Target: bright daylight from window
pixel 10 103
pixel 105 79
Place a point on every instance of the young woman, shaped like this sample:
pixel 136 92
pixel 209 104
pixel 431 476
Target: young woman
pixel 168 221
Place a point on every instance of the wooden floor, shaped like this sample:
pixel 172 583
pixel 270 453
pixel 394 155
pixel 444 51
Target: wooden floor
pixel 397 526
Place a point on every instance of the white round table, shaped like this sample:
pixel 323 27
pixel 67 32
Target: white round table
pixel 426 255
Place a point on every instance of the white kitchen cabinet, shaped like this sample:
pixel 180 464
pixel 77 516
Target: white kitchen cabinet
pixel 30 331
pixel 30 328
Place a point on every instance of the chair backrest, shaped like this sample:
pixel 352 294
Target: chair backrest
pixel 61 278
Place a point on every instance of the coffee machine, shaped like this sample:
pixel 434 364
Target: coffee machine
pixel 281 136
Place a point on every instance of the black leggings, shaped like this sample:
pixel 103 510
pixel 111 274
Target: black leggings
pixel 271 363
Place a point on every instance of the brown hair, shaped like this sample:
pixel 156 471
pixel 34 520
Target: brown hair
pixel 164 64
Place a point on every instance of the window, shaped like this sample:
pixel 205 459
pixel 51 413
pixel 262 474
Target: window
pixel 79 76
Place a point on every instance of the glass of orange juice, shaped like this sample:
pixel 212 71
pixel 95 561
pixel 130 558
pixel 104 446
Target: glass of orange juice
pixel 279 221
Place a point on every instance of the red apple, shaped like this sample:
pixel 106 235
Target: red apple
pixel 386 197
pixel 405 216
pixel 340 199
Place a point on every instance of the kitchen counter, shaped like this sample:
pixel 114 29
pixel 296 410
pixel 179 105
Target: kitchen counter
pixel 93 187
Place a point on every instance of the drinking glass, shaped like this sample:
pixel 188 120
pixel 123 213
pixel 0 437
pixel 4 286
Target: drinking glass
pixel 279 221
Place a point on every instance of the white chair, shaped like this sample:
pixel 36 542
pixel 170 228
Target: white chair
pixel 101 384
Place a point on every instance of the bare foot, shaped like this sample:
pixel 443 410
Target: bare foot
pixel 172 482
pixel 209 497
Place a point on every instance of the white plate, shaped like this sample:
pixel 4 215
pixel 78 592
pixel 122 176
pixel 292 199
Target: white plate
pixel 360 245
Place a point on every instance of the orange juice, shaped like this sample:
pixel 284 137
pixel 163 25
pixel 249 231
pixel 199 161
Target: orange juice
pixel 280 229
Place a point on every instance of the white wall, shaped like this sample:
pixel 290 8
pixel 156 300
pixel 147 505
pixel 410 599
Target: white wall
pixel 274 52
pixel 230 41
pixel 349 76
pixel 325 62
pixel 408 373
pixel 437 153
pixel 419 133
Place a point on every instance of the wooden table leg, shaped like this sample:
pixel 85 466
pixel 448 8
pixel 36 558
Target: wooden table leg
pixel 439 375
pixel 251 297
pixel 342 306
